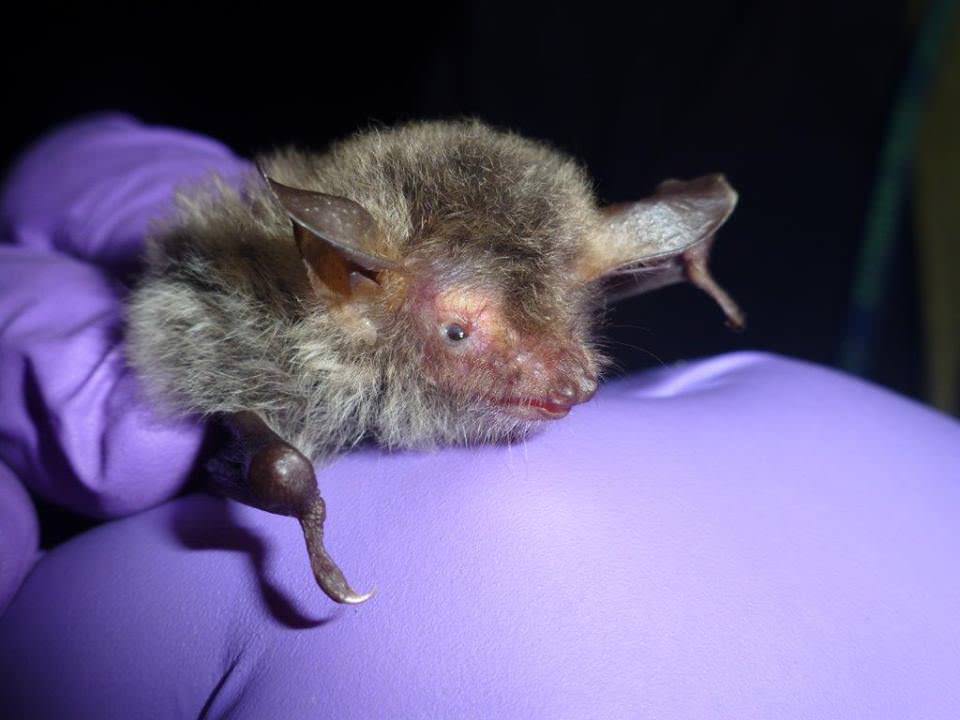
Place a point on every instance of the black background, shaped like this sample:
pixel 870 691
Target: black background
pixel 790 100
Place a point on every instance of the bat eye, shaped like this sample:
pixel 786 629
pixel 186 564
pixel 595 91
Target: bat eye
pixel 455 332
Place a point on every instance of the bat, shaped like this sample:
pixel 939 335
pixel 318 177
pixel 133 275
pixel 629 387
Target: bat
pixel 428 284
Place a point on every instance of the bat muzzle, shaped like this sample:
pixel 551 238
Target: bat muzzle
pixel 552 401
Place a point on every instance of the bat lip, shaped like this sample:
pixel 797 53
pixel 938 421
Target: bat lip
pixel 535 408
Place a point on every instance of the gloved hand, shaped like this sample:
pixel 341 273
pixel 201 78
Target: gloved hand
pixel 19 535
pixel 74 212
pixel 73 426
pixel 742 537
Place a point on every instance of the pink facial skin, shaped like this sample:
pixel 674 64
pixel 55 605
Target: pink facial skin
pixel 469 345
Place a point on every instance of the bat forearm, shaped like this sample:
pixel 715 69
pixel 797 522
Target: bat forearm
pixel 279 478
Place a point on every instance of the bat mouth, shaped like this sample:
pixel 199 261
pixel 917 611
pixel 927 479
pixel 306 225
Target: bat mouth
pixel 534 408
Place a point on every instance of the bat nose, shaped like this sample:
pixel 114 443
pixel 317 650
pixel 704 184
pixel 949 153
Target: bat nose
pixel 577 389
pixel 588 386
pixel 559 376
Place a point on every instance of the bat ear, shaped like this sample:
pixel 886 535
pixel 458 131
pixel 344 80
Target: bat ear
pixel 662 240
pixel 339 241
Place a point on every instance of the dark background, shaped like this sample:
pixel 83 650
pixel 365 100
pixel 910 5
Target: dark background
pixel 790 100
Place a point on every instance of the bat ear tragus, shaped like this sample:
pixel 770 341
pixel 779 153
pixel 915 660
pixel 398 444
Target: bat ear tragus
pixel 662 240
pixel 338 239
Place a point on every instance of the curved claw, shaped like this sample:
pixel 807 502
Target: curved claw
pixel 328 575
pixel 280 479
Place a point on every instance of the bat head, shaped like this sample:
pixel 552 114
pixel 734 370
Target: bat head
pixel 477 344
pixel 473 263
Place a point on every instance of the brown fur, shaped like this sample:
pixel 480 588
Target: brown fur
pixel 225 319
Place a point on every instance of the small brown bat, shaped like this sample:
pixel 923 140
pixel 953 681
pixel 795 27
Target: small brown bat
pixel 434 283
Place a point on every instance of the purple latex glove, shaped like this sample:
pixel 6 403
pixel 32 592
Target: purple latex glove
pixel 742 537
pixel 19 535
pixel 73 214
